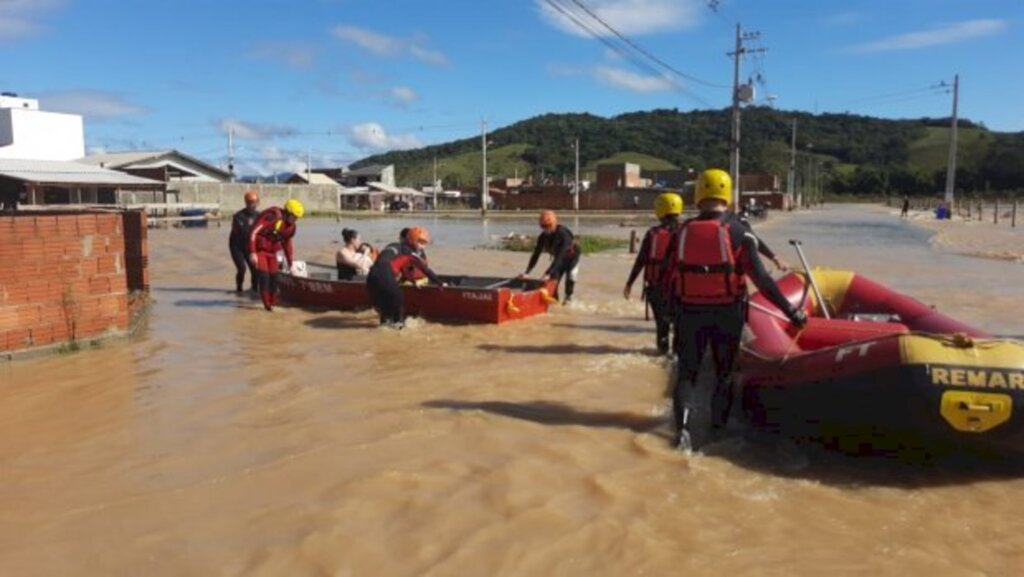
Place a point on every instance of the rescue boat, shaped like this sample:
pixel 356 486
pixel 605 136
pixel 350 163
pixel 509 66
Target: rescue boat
pixel 468 299
pixel 880 367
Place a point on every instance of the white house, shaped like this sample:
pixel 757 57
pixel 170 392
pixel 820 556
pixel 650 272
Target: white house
pixel 28 133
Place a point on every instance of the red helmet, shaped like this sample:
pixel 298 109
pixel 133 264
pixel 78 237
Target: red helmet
pixel 548 220
pixel 418 235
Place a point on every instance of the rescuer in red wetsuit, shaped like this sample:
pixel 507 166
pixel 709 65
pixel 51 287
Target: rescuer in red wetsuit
pixel 394 263
pixel 707 263
pixel 272 234
pixel 238 242
pixel 650 260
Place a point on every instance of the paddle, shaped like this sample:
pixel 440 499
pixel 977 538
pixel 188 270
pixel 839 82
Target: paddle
pixel 810 277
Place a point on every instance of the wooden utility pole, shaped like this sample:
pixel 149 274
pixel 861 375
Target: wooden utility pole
pixel 483 177
pixel 740 94
pixel 951 164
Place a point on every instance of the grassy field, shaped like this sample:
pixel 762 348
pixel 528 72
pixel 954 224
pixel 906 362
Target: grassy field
pixel 931 152
pixel 503 161
pixel 645 161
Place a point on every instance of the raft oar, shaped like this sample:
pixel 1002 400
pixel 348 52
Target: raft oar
pixel 810 277
pixel 499 284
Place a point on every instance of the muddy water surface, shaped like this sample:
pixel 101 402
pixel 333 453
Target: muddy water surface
pixel 228 441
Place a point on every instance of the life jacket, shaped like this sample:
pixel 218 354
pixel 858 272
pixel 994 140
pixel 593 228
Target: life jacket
pixel 706 264
pixel 412 274
pixel 659 237
pixel 275 230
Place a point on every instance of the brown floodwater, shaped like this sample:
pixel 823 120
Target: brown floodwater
pixel 224 440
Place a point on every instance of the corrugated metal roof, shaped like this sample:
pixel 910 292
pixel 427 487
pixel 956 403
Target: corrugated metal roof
pixel 59 172
pixel 317 178
pixel 146 159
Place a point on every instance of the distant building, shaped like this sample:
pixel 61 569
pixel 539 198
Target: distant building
pixel 32 134
pixel 313 178
pixel 618 175
pixel 39 182
pixel 369 174
pixel 169 166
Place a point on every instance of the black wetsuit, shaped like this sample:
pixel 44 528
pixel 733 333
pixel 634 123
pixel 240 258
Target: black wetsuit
pixel 720 328
pixel 654 290
pixel 382 281
pixel 762 246
pixel 238 244
pixel 561 245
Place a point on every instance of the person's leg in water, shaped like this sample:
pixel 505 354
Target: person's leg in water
pixel 388 300
pixel 662 320
pixel 691 405
pixel 725 346
pixel 254 278
pixel 266 263
pixel 572 271
pixel 240 258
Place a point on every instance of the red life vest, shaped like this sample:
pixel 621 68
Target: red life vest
pixel 706 271
pixel 273 230
pixel 659 238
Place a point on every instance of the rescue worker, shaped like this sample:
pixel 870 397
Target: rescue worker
pixel 667 207
pixel 763 248
pixel 559 242
pixel 271 236
pixel 391 266
pixel 238 242
pixel 707 263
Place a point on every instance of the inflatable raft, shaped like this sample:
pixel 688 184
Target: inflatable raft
pixel 884 364
pixel 469 299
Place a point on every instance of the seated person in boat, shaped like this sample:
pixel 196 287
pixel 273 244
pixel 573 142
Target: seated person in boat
pixel 390 267
pixel 355 258
pixel 559 242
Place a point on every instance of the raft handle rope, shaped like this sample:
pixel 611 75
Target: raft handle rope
pixel 810 277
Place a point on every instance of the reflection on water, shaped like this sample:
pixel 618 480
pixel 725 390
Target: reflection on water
pixel 226 440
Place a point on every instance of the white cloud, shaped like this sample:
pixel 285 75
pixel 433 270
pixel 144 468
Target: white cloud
pixel 936 36
pixel 296 55
pixel 20 18
pixel 95 105
pixel 371 136
pixel 621 78
pixel 390 46
pixel 630 17
pixel 246 130
pixel 403 95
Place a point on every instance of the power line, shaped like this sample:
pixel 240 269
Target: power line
pixel 644 51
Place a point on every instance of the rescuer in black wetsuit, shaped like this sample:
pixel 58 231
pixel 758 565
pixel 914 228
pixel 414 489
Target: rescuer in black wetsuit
pixel 238 242
pixel 650 259
pixel 707 263
pixel 559 242
pixel 394 262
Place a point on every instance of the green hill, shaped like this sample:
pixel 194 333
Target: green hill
pixel 857 154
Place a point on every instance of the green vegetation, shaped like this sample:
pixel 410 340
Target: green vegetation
pixel 589 244
pixel 858 154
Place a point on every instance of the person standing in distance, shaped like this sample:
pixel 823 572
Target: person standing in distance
pixel 667 207
pixel 238 242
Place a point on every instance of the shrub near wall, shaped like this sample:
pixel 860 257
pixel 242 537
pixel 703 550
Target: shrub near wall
pixel 63 277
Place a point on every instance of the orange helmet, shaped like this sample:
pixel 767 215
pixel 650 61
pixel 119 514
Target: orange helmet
pixel 418 235
pixel 548 220
pixel 251 197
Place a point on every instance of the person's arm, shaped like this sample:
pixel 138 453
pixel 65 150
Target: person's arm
pixel 763 281
pixel 564 244
pixel 254 234
pixel 418 263
pixel 288 251
pixel 537 248
pixel 641 260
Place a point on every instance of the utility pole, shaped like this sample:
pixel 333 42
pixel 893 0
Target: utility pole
pixel 951 166
pixel 231 154
pixel 740 94
pixel 309 166
pixel 790 189
pixel 483 177
pixel 435 183
pixel 576 189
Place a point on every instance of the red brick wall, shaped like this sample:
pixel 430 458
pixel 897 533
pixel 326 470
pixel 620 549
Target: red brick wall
pixel 589 200
pixel 64 277
pixel 136 250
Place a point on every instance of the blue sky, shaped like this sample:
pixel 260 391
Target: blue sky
pixel 341 79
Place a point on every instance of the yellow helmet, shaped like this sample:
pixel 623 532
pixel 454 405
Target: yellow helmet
pixel 294 207
pixel 668 203
pixel 714 183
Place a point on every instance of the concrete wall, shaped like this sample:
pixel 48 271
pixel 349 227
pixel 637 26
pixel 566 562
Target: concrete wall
pixel 38 135
pixel 229 194
pixel 67 276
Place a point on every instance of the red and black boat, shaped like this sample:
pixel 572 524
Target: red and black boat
pixel 879 363
pixel 469 299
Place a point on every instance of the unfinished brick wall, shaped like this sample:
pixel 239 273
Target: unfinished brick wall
pixel 64 277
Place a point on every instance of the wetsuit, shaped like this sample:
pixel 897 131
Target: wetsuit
pixel 561 245
pixel 711 299
pixel 238 243
pixel 382 283
pixel 762 246
pixel 649 261
pixel 270 235
pixel 906 208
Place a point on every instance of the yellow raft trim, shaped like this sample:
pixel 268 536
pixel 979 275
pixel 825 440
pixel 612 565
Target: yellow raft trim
pixel 973 412
pixel 833 285
pixel 918 349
